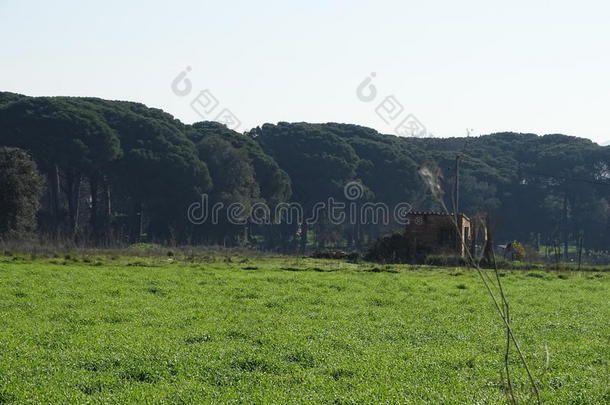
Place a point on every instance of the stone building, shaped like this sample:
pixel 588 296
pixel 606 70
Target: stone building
pixel 435 233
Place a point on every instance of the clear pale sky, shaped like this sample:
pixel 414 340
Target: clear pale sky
pixel 526 66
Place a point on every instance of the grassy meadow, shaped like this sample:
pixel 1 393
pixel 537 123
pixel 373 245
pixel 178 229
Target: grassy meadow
pixel 220 329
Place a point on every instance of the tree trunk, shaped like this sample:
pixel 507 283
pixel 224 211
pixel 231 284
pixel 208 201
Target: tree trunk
pixel 138 224
pixel 358 230
pixel 55 204
pixel 93 218
pixel 489 242
pixel 104 218
pixel 107 202
pixel 73 180
pixel 564 233
pixel 321 231
pixel 580 246
pixel 303 241
pixel 246 238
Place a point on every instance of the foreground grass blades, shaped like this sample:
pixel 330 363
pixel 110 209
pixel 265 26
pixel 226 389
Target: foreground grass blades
pixel 264 330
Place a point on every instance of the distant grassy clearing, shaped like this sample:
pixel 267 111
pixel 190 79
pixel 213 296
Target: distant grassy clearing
pixel 282 331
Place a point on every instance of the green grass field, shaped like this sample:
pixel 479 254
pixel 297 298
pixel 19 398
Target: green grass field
pixel 263 330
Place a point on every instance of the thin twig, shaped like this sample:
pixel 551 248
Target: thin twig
pixel 435 190
pixel 511 393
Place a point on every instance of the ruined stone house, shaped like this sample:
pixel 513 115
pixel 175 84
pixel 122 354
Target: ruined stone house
pixel 435 233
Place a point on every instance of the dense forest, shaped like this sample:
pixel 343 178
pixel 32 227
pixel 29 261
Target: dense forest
pixel 120 172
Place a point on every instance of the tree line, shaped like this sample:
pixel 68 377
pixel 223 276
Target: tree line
pixel 119 172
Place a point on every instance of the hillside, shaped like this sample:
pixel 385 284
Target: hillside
pixel 121 168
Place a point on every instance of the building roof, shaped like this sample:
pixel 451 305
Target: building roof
pixel 437 213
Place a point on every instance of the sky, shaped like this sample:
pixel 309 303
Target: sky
pixel 479 66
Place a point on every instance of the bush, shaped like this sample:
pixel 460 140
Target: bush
pixel 389 249
pixel 330 254
pixel 20 190
pixel 445 260
pixel 337 254
pixel 518 250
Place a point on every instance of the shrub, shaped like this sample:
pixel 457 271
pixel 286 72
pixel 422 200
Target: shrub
pixel 389 249
pixel 21 187
pixel 445 260
pixel 518 250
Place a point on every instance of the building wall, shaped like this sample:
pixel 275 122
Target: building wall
pixel 435 233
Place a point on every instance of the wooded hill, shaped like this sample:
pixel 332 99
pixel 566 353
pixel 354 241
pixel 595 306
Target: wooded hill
pixel 119 171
